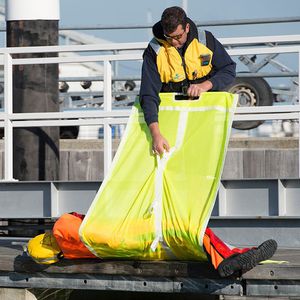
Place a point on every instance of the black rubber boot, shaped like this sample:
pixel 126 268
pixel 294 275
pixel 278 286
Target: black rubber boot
pixel 246 261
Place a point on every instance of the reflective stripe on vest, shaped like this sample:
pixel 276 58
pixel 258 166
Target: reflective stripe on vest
pixel 202 37
pixel 155 45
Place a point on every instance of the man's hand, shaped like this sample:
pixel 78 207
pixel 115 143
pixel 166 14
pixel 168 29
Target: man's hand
pixel 159 143
pixel 196 89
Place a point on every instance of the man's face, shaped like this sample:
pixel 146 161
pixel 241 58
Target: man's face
pixel 178 37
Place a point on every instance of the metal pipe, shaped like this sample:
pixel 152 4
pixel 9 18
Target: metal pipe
pixel 107 108
pixel 198 24
pixel 138 78
pixel 299 113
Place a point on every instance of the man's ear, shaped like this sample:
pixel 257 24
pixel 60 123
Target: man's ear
pixel 187 28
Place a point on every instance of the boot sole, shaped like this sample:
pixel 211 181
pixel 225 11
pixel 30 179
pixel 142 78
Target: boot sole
pixel 246 261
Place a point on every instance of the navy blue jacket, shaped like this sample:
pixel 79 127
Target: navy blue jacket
pixel 221 75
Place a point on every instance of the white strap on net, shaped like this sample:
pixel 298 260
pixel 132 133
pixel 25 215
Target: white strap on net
pixel 156 207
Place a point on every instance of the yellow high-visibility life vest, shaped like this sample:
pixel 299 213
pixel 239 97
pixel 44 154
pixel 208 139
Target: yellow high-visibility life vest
pixel 172 68
pixel 151 207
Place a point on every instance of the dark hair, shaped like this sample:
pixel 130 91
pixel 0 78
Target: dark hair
pixel 172 17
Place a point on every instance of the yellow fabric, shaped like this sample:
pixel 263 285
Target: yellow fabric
pixel 270 261
pixel 44 249
pixel 170 67
pixel 124 218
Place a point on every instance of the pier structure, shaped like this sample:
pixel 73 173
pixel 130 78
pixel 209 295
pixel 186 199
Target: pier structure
pixel 257 201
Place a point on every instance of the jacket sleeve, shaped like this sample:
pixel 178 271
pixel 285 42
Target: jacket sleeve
pixel 150 86
pixel 223 72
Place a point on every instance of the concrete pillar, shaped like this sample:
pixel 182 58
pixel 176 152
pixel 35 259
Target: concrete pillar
pixel 35 87
pixel 13 294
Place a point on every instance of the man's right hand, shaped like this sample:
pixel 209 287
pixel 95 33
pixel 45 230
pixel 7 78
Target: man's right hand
pixel 159 143
pixel 196 89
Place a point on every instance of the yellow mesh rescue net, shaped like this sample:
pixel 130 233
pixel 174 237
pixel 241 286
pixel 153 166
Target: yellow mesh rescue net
pixel 152 207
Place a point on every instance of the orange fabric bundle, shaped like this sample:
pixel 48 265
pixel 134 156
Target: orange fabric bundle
pixel 65 231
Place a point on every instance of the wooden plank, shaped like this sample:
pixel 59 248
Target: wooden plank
pixel 85 165
pixel 13 259
pixel 254 163
pixel 18 270
pixel 108 267
pixel 79 165
pixel 64 165
pixel 282 163
pixel 285 271
pixel 233 166
pixel 97 165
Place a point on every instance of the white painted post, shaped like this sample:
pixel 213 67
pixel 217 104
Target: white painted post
pixel 32 10
pixel 8 110
pixel 107 94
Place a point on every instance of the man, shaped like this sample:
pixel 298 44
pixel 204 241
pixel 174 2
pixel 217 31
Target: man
pixel 178 59
pixel 196 67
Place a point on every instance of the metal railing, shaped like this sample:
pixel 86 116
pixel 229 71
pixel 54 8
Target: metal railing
pixel 107 116
pixel 213 23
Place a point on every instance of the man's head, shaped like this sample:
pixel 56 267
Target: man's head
pixel 175 26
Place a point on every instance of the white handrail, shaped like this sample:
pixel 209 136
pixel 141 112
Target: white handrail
pixel 107 116
pixel 286 39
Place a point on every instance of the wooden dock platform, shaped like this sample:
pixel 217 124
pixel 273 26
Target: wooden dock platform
pixel 18 270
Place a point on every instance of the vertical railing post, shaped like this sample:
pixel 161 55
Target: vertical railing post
pixel 299 142
pixel 8 110
pixel 107 94
pixel 299 112
pixel 116 64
